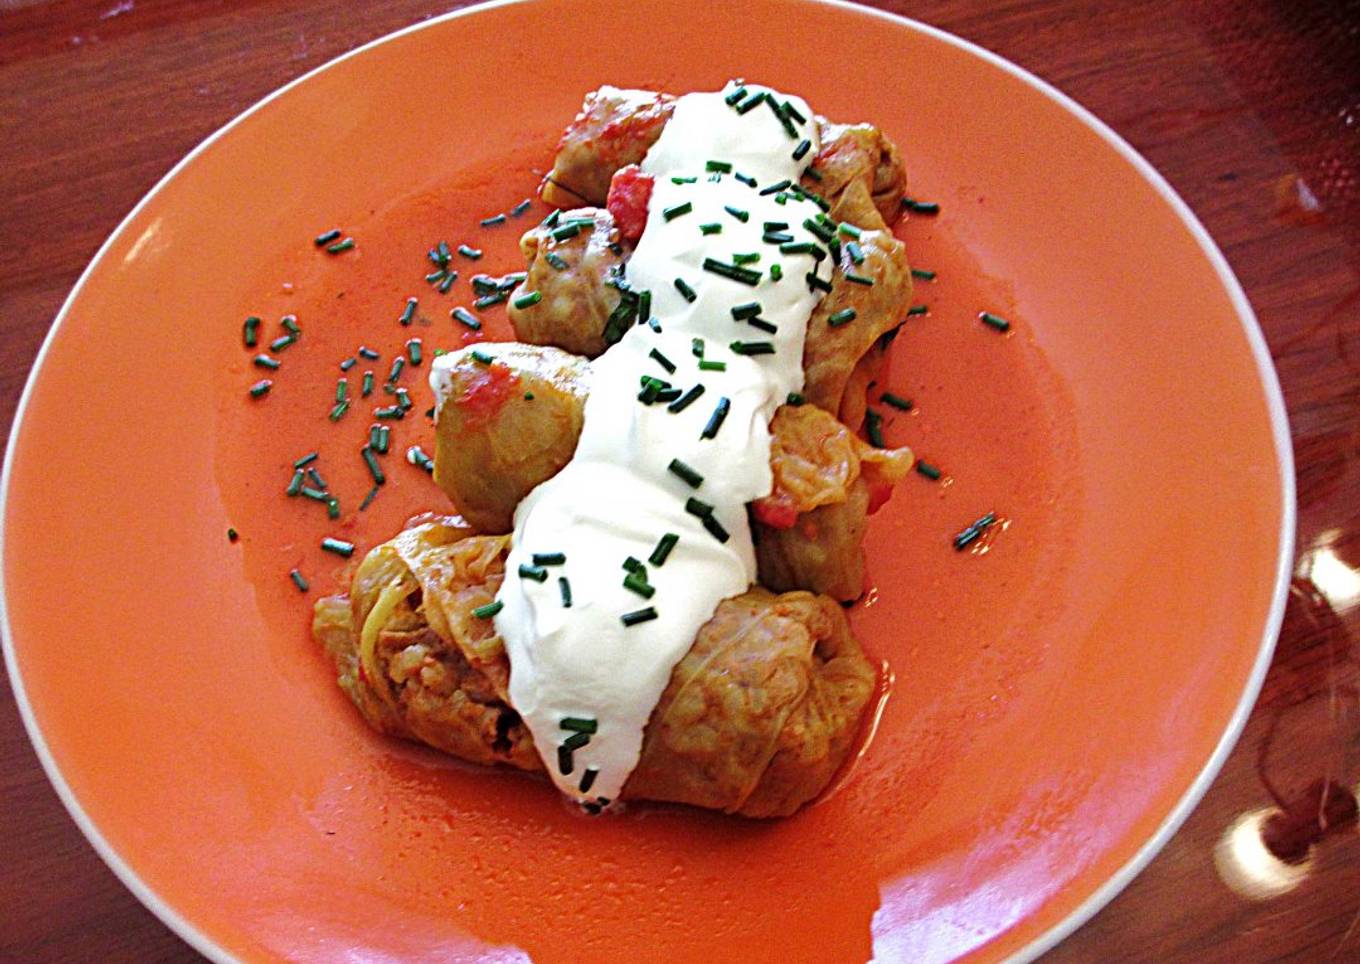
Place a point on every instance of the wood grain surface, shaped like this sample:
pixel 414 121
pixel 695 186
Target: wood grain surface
pixel 1251 108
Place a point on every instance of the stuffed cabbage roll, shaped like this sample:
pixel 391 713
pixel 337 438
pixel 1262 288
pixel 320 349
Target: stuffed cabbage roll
pixel 809 530
pixel 504 427
pixel 756 719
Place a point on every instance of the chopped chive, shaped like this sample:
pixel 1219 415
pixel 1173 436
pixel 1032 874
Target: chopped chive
pixel 250 331
pixel 580 724
pixel 733 272
pixel 735 96
pixel 738 213
pixel 404 399
pixel 684 180
pixel 576 741
pixel 842 317
pixel 920 207
pixel 698 507
pixel 854 250
pixel 391 411
pixel 748 310
pixel 965 537
pixel 565 764
pixel 340 246
pixel 232 535
pixel 685 290
pixel 368 353
pixel 633 564
pixel 801 150
pixel 489 610
pixel 637 583
pixel 996 321
pixel 326 237
pixel 282 342
pixel 467 318
pixel 690 477
pixel 484 284
pixel 434 277
pixel 638 616
pixel 341 389
pixel 685 400
pixel 261 388
pixel 299 580
pixel 707 365
pixel 306 460
pixel 859 279
pixel 338 546
pixel 776 272
pixel 398 366
pixel 663 549
pixel 795 399
pixel 333 508
pixel 528 300
pixel 748 258
pixel 923 274
pixel 926 469
pixel 696 346
pixel 316 478
pixel 472 254
pixel 556 260
pixel 371 460
pixel 290 322
pixel 348 363
pixel 817 283
pixel 715 420
pixel 873 427
pixel 486 301
pixel 564 590
pixel 675 211
pixel 314 494
pixel 520 208
pixel 375 438
pixel 566 232
pixel 797 247
pixel 712 227
pixel 447 283
pixel 264 361
pixel 896 401
pixel 748 181
pixel 722 167
pixel 783 118
pixel 917 310
pixel 774 188
pixel 760 324
pixel 415 350
pixel 587 778
pixel 551 220
pixel 536 573
pixel 645 308
pixel 776 237
pixel 752 347
pixel 813 173
pixel 481 357
pixel 750 105
pixel 715 528
pixel 409 311
pixel 662 360
pixel 793 112
pixel 820 231
pixel 550 558
pixel 417 457
pixel 368 384
pixel 368 499
pixel 295 486
pixel 492 221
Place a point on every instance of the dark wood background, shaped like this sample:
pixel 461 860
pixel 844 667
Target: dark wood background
pixel 1251 108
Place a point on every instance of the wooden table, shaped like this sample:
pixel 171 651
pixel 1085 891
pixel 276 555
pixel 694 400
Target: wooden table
pixel 1250 108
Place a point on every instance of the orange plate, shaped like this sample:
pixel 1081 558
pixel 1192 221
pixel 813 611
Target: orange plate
pixel 1062 699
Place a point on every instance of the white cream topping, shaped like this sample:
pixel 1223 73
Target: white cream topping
pixel 617 497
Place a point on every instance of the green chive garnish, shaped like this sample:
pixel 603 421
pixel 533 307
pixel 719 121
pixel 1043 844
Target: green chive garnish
pixel 714 527
pixel 325 238
pixel 707 365
pixel 801 150
pixel 338 546
pixel 760 324
pixel 733 272
pixel 486 301
pixel 996 321
pixel 817 283
pixel 489 610
pixel 588 779
pixel 566 232
pixel 816 175
pixel 873 427
pixel 550 558
pixel 536 573
pixel 690 477
pixel 736 95
pixel 774 188
pixel 556 260
pixel 481 357
pixel 923 274
pixel 575 741
pixel 776 237
pixel 751 104
pixel 662 360
pixel 859 279
pixel 712 227
pixel 663 549
pixel 685 290
pixel 795 399
pixel 340 246
pixel 282 342
pixel 675 211
pixel 391 411
pixel 434 277
pixel 564 590
pixel 528 300
pixel 341 390
pixel 368 499
pixel 316 494
pixel 551 220
pixel 797 247
pixel 684 401
pixel 347 364
pixel 580 724
pixel 748 181
pixel 250 331
pixel 842 317
pixel 917 310
pixel 698 507
pixel 638 616
pixel 748 258
pixel 715 420
pixel 447 283
pixel 637 583
pixel 472 254
pixel 853 249
pixel 371 460
pixel 722 167
pixel 467 318
pixel 295 486
pixel 965 537
pixel 920 207
pixel 409 312
pixel 417 457
pixel 752 347
pixel 520 208
pixel 793 112
pixel 290 322
pixel 398 365
pixel 633 564
pixel 261 388
pixel 306 460
pixel 696 346
pixel 368 384
pixel 926 469
pixel 333 508
pixel 264 361
pixel 299 580
pixel 748 310
pixel 492 221
pixel 776 272
pixel 896 401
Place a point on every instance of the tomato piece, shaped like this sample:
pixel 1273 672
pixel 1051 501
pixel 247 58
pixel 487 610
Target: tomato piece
pixel 629 194
pixel 776 511
pixel 486 392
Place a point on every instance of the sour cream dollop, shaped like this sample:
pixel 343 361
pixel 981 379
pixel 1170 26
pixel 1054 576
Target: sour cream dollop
pixel 586 677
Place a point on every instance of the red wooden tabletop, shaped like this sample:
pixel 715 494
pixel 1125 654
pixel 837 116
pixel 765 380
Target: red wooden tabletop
pixel 1251 108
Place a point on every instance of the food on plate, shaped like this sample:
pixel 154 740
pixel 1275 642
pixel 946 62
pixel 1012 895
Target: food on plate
pixel 755 719
pixel 507 426
pixel 662 495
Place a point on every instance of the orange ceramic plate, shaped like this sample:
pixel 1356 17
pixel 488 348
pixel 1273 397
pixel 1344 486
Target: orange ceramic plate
pixel 1061 699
